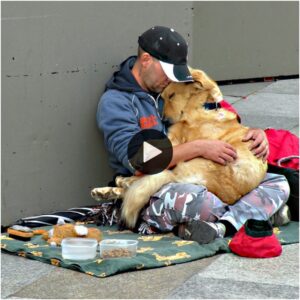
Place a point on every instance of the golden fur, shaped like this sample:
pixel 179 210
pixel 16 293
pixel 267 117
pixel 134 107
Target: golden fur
pixel 184 107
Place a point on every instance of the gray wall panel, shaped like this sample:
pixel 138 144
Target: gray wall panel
pixel 246 39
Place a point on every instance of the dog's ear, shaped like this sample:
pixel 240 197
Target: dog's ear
pixel 202 78
pixel 198 78
pixel 198 85
pixel 204 82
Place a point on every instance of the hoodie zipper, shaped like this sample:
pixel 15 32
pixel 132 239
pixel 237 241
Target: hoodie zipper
pixel 156 105
pixel 157 112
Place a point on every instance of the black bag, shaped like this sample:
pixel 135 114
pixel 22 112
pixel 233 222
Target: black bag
pixel 292 177
pixel 68 216
pixel 104 214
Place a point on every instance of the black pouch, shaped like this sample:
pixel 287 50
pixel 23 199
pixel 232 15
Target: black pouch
pixel 292 177
pixel 103 214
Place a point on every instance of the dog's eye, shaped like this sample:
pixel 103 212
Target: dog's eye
pixel 171 96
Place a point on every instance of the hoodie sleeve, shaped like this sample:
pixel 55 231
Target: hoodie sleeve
pixel 117 118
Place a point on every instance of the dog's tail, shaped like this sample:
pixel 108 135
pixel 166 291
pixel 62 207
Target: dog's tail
pixel 139 193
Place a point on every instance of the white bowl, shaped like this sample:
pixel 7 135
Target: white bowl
pixel 116 248
pixel 79 248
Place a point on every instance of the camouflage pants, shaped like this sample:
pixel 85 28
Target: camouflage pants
pixel 176 203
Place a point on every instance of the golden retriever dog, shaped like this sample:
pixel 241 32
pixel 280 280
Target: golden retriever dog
pixel 184 107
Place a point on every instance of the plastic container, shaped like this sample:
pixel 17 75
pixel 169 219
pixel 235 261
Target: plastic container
pixel 115 248
pixel 79 248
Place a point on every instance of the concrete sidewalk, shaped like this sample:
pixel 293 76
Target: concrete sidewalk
pixel 225 276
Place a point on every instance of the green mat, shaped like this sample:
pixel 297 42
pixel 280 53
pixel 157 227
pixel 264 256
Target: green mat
pixel 154 251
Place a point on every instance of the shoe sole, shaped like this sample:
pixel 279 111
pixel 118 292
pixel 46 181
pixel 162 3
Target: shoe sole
pixel 282 217
pixel 198 231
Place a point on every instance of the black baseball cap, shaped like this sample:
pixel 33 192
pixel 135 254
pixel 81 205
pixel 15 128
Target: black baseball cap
pixel 170 48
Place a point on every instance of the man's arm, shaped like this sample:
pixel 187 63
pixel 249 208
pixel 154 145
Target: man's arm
pixel 215 150
pixel 117 120
pixel 219 151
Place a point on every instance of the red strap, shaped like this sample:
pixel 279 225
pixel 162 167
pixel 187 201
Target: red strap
pixel 224 104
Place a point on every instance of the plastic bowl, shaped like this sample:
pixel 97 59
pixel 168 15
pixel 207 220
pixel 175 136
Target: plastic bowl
pixel 79 248
pixel 116 248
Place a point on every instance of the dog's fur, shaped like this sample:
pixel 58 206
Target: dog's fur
pixel 184 108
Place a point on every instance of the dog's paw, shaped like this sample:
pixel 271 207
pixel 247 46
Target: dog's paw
pixel 125 182
pixel 107 193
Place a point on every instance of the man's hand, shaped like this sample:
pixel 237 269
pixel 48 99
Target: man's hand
pixel 260 144
pixel 218 151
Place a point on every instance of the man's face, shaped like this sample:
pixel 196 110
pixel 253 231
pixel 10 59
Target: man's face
pixel 154 77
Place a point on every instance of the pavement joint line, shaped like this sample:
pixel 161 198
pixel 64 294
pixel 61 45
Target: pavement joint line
pixel 247 95
pixel 236 101
pixel 234 96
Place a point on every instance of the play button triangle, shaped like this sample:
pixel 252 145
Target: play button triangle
pixel 149 152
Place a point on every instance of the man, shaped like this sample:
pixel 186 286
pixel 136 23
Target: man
pixel 131 102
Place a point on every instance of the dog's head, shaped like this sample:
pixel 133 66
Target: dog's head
pixel 183 98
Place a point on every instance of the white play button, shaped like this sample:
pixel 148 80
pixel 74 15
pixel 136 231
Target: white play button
pixel 149 152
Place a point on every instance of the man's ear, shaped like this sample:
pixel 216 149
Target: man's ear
pixel 145 59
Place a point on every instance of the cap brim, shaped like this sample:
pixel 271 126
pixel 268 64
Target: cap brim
pixel 177 73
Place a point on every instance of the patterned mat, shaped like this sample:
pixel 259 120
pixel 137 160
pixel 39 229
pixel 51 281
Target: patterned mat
pixel 159 250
